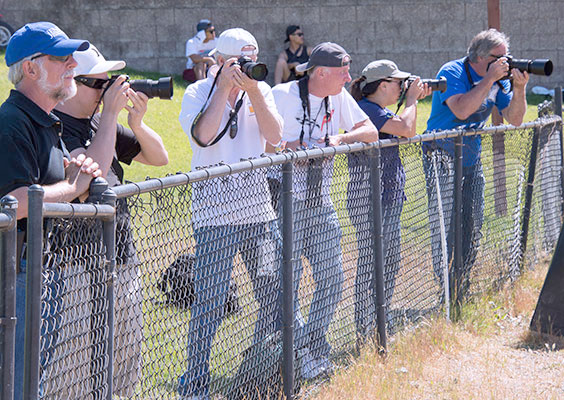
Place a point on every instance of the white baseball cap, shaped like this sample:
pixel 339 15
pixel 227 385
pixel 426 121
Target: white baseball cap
pixel 232 41
pixel 91 62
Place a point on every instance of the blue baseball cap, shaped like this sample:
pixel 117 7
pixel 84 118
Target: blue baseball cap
pixel 203 25
pixel 41 37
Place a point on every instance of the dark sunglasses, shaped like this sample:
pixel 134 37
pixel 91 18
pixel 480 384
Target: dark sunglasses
pixel 61 59
pixel 298 34
pixel 94 83
pixel 211 30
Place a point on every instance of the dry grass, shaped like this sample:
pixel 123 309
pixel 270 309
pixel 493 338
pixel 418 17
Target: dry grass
pixel 489 354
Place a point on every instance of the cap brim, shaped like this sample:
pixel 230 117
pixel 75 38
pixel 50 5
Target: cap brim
pixel 304 67
pixel 66 46
pixel 105 66
pixel 400 75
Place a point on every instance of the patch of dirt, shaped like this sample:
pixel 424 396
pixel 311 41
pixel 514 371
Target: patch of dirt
pixel 508 364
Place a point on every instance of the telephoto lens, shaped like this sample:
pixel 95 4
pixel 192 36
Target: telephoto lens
pixel 254 70
pixel 541 66
pixel 436 84
pixel 162 88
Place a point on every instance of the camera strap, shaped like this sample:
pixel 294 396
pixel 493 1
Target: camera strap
pixel 304 97
pixel 469 75
pixel 231 122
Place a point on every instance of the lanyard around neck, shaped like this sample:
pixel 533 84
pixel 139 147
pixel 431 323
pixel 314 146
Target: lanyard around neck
pixel 231 123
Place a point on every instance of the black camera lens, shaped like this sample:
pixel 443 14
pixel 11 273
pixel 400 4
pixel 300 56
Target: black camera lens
pixel 254 70
pixel 436 84
pixel 540 66
pixel 162 88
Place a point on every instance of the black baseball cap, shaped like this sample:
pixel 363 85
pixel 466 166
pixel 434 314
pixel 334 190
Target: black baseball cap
pixel 326 54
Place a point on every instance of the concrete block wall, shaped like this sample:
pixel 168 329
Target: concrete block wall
pixel 419 35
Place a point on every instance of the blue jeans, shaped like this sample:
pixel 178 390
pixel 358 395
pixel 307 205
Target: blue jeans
pixel 216 247
pixel 317 236
pixel 359 207
pixel 473 182
pixel 51 308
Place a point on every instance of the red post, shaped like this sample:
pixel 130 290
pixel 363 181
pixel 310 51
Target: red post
pixel 498 140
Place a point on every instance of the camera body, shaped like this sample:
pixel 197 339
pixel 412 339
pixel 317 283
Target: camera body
pixel 435 84
pixel 254 70
pixel 162 88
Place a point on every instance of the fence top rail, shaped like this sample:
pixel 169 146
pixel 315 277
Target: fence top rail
pixel 71 210
pixel 269 160
pixel 6 222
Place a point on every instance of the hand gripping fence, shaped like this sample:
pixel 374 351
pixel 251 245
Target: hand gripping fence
pixel 252 281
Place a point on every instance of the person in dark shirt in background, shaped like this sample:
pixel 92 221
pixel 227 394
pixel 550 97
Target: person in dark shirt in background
pixel 296 53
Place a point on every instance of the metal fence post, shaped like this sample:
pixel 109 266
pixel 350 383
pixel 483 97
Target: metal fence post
pixel 98 350
pixel 8 298
pixel 378 247
pixel 558 111
pixel 34 277
pixel 529 195
pixel 287 281
pixel 458 262
pixel 109 197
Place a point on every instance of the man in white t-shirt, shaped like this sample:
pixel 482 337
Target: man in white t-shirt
pixel 229 116
pixel 199 47
pixel 316 122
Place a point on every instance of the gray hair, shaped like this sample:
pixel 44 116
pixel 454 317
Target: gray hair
pixel 484 42
pixel 15 72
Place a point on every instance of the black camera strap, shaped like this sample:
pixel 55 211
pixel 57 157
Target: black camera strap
pixel 304 97
pixel 469 75
pixel 231 123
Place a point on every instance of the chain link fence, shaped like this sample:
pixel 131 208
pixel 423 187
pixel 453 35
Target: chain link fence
pixel 258 279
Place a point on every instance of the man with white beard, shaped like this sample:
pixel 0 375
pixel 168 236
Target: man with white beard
pixel 41 67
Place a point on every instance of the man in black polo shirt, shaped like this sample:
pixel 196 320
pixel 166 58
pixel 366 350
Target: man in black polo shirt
pixel 102 138
pixel 39 57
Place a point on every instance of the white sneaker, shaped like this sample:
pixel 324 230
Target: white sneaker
pixel 310 366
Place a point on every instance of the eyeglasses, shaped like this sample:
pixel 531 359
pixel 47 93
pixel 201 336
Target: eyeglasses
pixel 94 83
pixel 211 31
pixel 61 59
pixel 300 34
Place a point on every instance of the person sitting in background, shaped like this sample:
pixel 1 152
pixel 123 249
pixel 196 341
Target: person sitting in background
pixel 100 136
pixel 296 53
pixel 197 50
pixel 380 85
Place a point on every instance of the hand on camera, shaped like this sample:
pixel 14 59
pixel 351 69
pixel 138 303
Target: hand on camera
pixel 116 95
pixel 417 90
pixel 498 69
pixel 520 79
pixel 137 109
pixel 226 80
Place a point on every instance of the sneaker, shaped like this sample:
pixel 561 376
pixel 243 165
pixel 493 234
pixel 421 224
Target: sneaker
pixel 310 366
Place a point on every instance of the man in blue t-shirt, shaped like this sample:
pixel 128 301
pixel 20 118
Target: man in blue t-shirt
pixel 475 84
